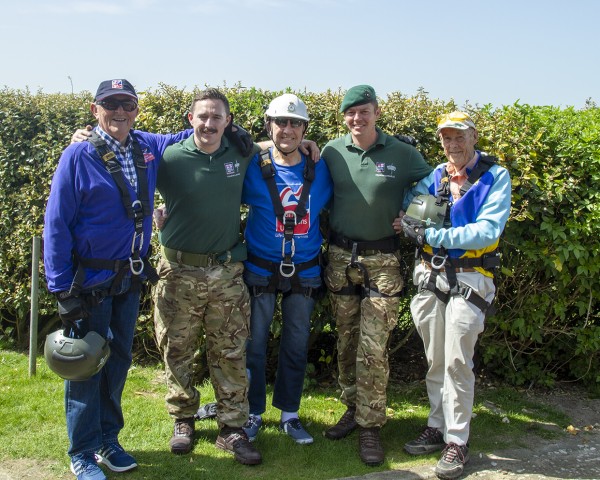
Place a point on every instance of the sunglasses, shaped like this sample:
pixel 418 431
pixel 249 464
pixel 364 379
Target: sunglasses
pixel 128 105
pixel 294 122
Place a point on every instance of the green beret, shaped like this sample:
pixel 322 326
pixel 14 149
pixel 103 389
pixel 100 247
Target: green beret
pixel 358 95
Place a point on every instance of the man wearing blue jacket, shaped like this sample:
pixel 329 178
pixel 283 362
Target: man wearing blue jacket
pixel 97 232
pixel 454 274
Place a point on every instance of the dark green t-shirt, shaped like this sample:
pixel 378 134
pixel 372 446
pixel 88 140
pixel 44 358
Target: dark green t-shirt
pixel 368 186
pixel 202 193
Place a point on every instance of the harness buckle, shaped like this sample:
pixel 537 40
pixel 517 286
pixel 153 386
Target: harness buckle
pixel 289 222
pixel 464 291
pixel 283 265
pixel 136 266
pixel 436 258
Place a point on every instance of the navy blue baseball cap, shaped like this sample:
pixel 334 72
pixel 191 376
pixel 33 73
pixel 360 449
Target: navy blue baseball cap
pixel 119 86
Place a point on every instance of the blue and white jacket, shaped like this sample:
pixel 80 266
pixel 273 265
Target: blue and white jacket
pixel 477 218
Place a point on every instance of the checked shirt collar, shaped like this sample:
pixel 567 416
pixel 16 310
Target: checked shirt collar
pixel 124 154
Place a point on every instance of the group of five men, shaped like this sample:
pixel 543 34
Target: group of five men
pixel 212 282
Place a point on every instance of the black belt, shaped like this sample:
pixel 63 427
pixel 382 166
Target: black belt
pixel 383 245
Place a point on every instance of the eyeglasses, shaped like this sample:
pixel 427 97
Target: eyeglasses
pixel 294 122
pixel 111 104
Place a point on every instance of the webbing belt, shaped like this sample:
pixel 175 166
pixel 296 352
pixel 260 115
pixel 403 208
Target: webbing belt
pixel 383 245
pixel 196 259
pixel 278 271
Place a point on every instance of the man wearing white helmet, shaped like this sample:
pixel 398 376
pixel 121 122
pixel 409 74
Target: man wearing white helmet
pixel 454 274
pixel 285 191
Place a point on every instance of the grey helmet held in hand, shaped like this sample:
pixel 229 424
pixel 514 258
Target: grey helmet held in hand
pixel 76 358
pixel 428 210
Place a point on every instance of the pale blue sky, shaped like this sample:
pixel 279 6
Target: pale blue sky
pixel 535 51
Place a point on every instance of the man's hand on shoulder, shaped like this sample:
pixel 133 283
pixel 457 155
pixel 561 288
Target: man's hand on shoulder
pixel 308 147
pixel 82 134
pixel 240 138
pixel 160 216
pixel 406 139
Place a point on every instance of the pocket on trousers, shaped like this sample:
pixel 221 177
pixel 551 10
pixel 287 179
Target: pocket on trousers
pixel 335 279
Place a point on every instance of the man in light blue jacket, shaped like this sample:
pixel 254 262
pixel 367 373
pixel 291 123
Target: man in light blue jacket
pixel 457 254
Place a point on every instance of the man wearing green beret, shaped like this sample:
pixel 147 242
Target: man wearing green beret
pixel 371 172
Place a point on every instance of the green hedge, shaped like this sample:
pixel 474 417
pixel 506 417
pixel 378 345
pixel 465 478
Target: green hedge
pixel 547 327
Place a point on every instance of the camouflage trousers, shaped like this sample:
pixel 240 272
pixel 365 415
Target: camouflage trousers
pixel 364 324
pixel 213 302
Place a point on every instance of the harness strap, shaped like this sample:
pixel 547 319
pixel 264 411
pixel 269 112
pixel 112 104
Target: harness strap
pixel 120 267
pixel 456 288
pixel 466 292
pixel 483 165
pixel 268 172
pixel 276 269
pixel 487 261
pixel 136 210
pixel 288 218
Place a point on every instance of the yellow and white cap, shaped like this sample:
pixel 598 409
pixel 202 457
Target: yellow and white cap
pixel 456 119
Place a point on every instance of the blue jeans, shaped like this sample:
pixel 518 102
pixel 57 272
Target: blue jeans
pixel 93 407
pixel 296 310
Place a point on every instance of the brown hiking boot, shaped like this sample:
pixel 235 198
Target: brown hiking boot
pixel 183 436
pixel 345 425
pixel 369 444
pixel 235 441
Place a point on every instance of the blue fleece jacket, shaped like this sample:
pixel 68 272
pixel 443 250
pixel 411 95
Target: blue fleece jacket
pixel 85 215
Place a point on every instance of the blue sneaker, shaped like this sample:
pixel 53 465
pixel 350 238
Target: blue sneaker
pixel 252 426
pixel 294 429
pixel 115 457
pixel 84 467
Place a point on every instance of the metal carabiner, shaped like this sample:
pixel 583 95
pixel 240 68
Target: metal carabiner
pixel 136 203
pixel 135 236
pixel 292 247
pixel 435 258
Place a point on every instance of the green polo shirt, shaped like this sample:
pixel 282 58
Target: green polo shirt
pixel 369 185
pixel 202 193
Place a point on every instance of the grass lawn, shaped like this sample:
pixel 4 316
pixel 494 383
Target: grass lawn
pixel 32 429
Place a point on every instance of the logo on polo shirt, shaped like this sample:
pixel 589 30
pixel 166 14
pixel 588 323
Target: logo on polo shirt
pixel 384 170
pixel 232 169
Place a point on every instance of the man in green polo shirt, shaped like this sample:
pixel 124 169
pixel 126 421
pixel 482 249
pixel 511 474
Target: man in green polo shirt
pixel 201 288
pixel 370 172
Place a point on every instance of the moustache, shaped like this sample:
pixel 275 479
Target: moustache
pixel 209 130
